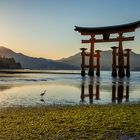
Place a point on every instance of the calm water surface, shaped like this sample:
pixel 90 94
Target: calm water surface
pixel 67 89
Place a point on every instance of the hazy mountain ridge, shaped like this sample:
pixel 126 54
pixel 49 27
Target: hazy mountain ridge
pixel 72 62
pixel 106 60
pixel 34 62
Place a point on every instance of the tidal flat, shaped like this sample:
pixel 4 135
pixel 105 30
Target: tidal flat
pixel 88 122
pixel 24 89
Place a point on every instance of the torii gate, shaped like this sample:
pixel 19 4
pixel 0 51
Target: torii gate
pixel 117 51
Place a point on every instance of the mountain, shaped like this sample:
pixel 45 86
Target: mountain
pixel 33 62
pixel 106 60
pixel 72 62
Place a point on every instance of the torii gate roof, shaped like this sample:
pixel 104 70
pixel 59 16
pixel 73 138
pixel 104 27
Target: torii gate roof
pixel 130 27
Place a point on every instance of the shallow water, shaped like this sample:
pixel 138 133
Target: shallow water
pixel 67 89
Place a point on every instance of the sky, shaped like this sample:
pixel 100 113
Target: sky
pixel 45 28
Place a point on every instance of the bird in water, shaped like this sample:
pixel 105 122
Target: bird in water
pixel 42 94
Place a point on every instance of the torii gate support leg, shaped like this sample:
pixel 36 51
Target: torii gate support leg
pixel 128 62
pixel 98 62
pixel 91 58
pixel 83 61
pixel 121 73
pixel 114 65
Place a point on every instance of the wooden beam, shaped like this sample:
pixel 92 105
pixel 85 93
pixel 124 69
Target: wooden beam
pixel 114 39
pixel 86 41
pixel 87 66
pixel 106 31
pixel 86 95
pixel 109 40
pixel 88 54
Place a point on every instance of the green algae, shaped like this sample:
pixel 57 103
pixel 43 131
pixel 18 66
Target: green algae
pixel 70 122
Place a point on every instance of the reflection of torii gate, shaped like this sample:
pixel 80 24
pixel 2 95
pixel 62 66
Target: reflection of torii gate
pixel 118 93
pixel 117 51
pixel 91 91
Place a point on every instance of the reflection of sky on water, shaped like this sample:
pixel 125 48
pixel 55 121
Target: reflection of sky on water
pixel 25 89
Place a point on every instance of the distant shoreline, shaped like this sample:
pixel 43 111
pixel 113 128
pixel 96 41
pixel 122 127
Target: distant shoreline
pixel 22 71
pixel 38 71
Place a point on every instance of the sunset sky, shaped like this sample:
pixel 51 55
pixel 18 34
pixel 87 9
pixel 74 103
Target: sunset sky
pixel 45 28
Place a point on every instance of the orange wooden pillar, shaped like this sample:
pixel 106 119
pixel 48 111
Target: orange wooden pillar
pixel 128 62
pixel 83 54
pixel 91 57
pixel 121 73
pixel 114 64
pixel 98 62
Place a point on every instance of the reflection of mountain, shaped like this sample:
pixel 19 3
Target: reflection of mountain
pixel 106 60
pixel 33 62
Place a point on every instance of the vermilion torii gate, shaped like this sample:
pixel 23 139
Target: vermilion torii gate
pixel 118 52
